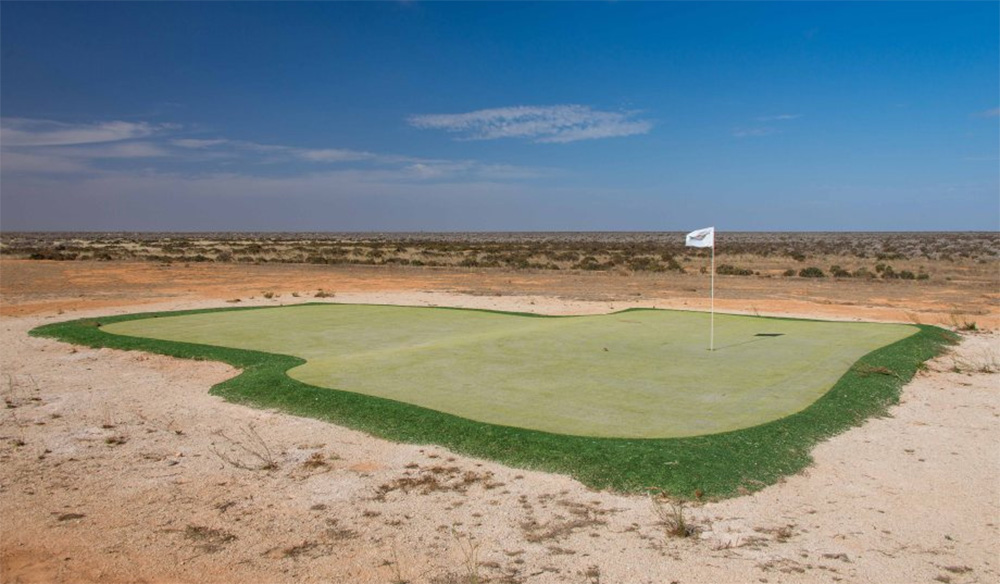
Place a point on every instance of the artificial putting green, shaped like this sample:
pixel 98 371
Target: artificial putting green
pixel 713 465
pixel 638 374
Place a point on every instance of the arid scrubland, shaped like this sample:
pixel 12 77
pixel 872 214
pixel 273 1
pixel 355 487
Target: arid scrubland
pixel 840 255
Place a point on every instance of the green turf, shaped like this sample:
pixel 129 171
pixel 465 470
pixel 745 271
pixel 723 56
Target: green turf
pixel 718 465
pixel 640 374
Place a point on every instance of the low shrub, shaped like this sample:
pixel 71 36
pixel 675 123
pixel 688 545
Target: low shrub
pixel 728 270
pixel 839 272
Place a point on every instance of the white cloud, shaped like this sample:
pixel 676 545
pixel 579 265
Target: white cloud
pixel 557 123
pixel 28 132
pixel 990 113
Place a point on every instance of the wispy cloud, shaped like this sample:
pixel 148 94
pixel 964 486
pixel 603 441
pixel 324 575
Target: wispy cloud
pixel 50 147
pixel 311 155
pixel 754 132
pixel 29 132
pixel 42 148
pixel 198 144
pixel 553 124
pixel 40 163
pixel 334 155
pixel 116 150
pixel 990 113
pixel 778 117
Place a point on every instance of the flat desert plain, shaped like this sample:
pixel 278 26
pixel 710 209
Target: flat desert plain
pixel 120 467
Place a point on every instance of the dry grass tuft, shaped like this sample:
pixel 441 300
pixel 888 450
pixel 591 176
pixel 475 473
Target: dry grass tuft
pixel 670 516
pixel 438 478
pixel 250 453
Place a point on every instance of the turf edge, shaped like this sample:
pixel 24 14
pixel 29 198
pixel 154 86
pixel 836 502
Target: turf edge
pixel 718 465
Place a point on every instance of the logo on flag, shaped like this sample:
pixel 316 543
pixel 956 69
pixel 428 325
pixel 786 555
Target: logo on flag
pixel 701 238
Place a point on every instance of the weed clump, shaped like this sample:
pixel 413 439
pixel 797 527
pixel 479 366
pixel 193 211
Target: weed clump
pixel 670 515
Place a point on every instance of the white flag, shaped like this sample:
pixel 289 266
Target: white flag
pixel 701 238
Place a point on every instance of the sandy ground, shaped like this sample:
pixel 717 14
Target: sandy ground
pixel 119 467
pixel 32 287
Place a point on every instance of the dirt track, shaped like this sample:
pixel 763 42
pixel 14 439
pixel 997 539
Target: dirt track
pixel 119 467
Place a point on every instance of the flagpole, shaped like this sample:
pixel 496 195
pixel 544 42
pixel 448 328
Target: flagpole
pixel 699 238
pixel 711 335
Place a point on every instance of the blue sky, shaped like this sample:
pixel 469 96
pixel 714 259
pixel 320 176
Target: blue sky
pixel 454 116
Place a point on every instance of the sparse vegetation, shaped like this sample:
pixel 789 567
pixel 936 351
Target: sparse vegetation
pixel 633 252
pixel 670 514
pixel 251 452
pixel 962 323
pixel 438 478
pixel 469 548
pixel 987 362
pixel 580 517
pixel 728 270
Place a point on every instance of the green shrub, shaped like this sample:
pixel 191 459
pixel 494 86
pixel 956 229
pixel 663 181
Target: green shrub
pixel 811 272
pixel 728 270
